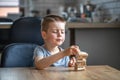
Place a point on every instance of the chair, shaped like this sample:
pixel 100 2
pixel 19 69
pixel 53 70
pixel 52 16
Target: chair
pixel 26 30
pixel 18 55
pixel 4 33
pixel 5 19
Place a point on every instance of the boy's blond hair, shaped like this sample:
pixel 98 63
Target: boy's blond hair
pixel 48 19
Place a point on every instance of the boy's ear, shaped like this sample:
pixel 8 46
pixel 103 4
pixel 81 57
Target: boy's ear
pixel 43 34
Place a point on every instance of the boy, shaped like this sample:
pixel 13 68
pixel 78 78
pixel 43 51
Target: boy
pixel 50 54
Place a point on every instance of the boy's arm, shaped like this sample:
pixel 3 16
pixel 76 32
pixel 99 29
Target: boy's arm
pixel 42 63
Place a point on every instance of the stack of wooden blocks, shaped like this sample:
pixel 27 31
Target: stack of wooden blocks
pixel 80 63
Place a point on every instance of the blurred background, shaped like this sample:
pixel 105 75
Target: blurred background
pixel 94 25
pixel 71 10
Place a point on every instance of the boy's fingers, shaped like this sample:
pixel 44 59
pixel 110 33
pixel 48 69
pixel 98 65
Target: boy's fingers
pixel 75 50
pixel 72 61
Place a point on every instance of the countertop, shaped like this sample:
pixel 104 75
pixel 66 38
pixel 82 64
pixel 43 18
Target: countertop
pixel 92 25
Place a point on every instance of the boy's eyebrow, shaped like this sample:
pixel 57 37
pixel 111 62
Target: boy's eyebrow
pixel 57 29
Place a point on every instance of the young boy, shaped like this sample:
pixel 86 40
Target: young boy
pixel 50 54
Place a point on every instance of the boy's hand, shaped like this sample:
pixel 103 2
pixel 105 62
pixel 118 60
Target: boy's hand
pixel 72 62
pixel 77 55
pixel 73 50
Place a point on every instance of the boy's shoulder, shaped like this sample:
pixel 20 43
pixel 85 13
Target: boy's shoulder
pixel 39 48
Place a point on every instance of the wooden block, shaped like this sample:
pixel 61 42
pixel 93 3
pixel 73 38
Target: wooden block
pixel 80 65
pixel 80 61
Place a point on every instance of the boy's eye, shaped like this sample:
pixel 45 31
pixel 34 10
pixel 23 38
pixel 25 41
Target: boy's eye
pixel 54 31
pixel 62 32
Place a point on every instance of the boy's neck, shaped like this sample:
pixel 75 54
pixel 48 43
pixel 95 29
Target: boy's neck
pixel 52 49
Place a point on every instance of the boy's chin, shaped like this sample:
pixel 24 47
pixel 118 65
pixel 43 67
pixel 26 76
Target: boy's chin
pixel 59 44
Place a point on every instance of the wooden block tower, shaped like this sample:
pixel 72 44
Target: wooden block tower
pixel 80 62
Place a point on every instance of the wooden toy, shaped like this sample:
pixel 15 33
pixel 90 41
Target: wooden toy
pixel 80 62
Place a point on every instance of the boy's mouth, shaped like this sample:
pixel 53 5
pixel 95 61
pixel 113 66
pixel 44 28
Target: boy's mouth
pixel 59 40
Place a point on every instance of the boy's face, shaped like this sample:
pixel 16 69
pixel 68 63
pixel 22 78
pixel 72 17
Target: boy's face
pixel 55 34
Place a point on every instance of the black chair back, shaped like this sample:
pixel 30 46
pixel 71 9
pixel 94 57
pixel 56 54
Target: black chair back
pixel 4 33
pixel 26 30
pixel 18 55
pixel 5 19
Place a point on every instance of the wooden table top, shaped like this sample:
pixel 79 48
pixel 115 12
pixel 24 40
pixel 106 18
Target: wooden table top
pixel 103 72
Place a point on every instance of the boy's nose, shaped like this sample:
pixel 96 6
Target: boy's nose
pixel 59 33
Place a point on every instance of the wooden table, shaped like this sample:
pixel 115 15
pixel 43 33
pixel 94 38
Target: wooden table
pixel 60 73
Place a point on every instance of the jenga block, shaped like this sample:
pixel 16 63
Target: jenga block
pixel 80 63
pixel 78 66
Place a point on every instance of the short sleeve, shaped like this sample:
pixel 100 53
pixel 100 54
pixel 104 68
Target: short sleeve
pixel 38 51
